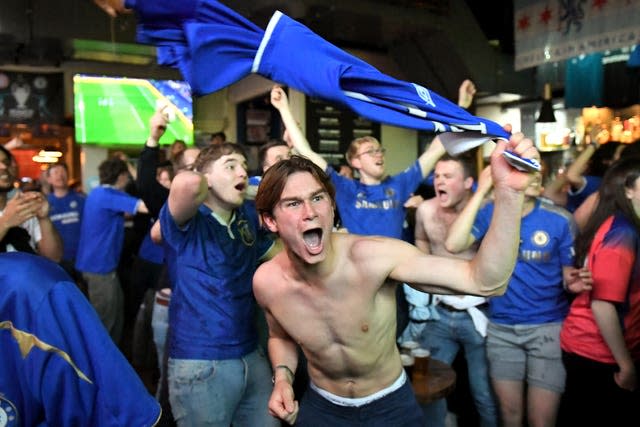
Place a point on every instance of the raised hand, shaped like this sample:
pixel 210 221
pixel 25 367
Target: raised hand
pixel 466 91
pixel 279 98
pixel 112 7
pixel 158 123
pixel 506 176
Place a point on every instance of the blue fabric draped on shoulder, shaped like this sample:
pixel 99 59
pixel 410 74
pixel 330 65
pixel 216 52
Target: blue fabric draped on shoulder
pixel 213 47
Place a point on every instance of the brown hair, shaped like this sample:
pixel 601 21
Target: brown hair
pixel 275 179
pixel 109 170
pixel 262 153
pixel 211 153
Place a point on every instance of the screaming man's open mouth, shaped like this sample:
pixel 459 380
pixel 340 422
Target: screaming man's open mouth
pixel 312 238
pixel 241 186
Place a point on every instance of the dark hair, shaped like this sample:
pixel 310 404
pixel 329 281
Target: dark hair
pixel 110 169
pixel 611 200
pixel 61 164
pixel 211 153
pixel 601 159
pixel 468 169
pixel 262 153
pixel 221 135
pixel 275 179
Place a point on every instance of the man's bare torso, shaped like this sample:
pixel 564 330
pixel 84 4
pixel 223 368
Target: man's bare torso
pixel 436 222
pixel 344 321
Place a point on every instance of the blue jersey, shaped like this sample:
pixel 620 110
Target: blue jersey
pixel 535 294
pixel 212 303
pixel 193 34
pixel 375 209
pixel 59 367
pixel 66 215
pixel 102 231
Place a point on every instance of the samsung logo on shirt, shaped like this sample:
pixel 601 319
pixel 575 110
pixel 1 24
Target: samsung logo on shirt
pixel 385 204
pixel 66 217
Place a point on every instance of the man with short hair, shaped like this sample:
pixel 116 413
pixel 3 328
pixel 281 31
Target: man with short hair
pixel 269 154
pixel 101 241
pixel 446 323
pixel 65 211
pixel 217 373
pixel 338 283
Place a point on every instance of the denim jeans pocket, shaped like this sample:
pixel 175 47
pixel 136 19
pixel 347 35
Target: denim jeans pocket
pixel 191 371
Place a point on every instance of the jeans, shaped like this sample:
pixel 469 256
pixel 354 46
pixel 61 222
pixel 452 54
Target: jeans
pixel 444 338
pixel 221 392
pixel 160 325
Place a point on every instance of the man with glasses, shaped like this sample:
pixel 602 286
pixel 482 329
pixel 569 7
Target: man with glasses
pixel 374 204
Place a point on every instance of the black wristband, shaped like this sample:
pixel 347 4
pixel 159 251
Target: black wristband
pixel 285 367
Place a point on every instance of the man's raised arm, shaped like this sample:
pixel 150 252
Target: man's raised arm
pixel 430 157
pixel 489 271
pixel 497 255
pixel 300 144
pixel 459 237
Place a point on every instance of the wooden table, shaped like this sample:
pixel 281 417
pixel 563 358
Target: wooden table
pixel 441 381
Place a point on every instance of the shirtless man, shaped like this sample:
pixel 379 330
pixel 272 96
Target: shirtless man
pixel 328 293
pixel 453 323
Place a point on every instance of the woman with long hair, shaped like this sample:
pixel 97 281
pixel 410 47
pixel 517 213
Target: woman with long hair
pixel 600 337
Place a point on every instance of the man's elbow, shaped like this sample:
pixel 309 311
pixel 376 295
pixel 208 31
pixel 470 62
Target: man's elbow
pixel 499 290
pixel 493 289
pixel 454 247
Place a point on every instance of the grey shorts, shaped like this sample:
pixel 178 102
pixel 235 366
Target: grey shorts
pixel 526 352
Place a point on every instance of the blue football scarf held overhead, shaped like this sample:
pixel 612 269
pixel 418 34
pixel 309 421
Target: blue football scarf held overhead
pixel 214 47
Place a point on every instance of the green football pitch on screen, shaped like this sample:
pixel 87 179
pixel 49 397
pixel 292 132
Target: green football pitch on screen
pixel 116 111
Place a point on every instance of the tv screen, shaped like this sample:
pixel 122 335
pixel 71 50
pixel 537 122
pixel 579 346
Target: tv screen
pixel 116 110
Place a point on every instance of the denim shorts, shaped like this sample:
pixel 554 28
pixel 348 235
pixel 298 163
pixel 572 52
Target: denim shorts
pixel 526 352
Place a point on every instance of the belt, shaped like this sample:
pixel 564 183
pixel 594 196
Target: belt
pixel 447 307
pixel 163 301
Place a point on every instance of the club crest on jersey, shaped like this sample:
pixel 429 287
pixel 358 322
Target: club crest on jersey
pixel 245 232
pixel 424 94
pixel 8 413
pixel 540 238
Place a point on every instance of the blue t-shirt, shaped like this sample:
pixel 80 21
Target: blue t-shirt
pixel 150 251
pixel 212 303
pixel 575 199
pixel 535 293
pixel 375 209
pixel 66 215
pixel 102 230
pixel 59 365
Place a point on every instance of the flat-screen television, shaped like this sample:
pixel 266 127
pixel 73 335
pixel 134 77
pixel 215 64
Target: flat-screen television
pixel 115 111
